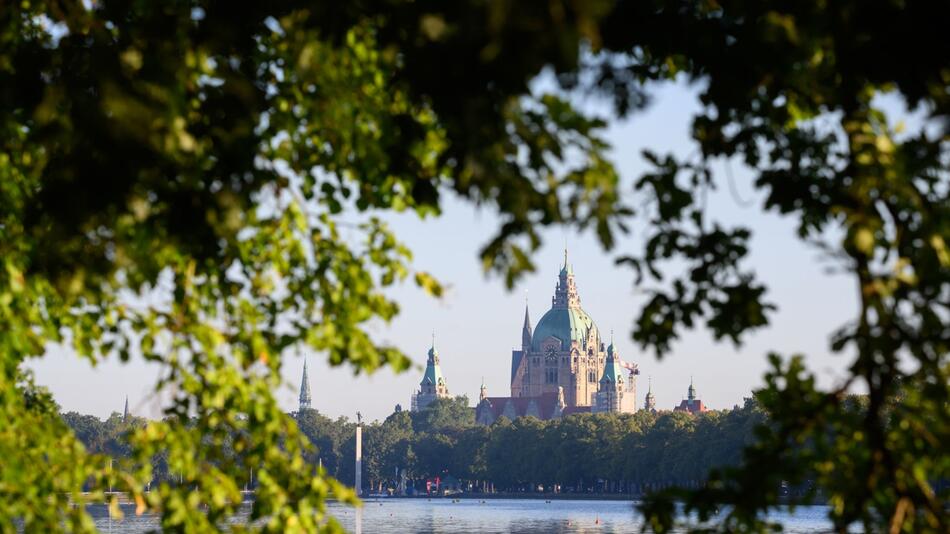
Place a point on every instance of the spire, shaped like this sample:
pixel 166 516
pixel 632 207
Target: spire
pixel 565 293
pixel 566 268
pixel 433 353
pixel 304 389
pixel 433 375
pixel 526 328
pixel 691 393
pixel 125 413
pixel 650 402
pixel 482 391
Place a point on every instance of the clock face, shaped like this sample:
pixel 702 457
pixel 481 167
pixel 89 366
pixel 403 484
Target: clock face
pixel 551 343
pixel 552 354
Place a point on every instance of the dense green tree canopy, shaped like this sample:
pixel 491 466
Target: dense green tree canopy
pixel 583 453
pixel 196 183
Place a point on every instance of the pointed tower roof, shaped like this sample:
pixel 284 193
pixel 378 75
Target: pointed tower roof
pixel 433 374
pixel 650 401
pixel 613 372
pixel 305 399
pixel 125 413
pixel 691 392
pixel 526 326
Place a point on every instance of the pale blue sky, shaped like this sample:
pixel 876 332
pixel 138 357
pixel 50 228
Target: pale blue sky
pixel 478 322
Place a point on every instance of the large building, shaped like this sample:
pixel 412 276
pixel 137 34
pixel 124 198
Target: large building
pixel 432 385
pixel 563 366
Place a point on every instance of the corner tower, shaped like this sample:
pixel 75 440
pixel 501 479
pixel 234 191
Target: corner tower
pixel 615 393
pixel 432 386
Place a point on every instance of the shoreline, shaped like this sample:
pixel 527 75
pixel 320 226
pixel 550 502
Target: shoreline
pixel 525 496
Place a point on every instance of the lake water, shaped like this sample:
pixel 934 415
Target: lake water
pixel 515 516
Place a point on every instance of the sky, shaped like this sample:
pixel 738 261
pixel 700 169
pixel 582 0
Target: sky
pixel 478 322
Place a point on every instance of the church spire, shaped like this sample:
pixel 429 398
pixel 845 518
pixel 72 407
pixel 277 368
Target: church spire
pixel 526 327
pixel 125 413
pixel 691 393
pixel 304 389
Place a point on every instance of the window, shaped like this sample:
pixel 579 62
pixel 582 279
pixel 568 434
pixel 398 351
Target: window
pixel 550 376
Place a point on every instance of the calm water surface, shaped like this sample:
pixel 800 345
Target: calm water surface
pixel 515 516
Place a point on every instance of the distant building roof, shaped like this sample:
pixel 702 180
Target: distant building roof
pixel 542 407
pixel 692 406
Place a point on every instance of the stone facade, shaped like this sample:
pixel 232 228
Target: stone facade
pixel 563 361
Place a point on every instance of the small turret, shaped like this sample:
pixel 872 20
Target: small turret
pixel 482 391
pixel 649 403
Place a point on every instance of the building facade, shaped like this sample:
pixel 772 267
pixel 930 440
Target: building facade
pixel 433 384
pixel 691 403
pixel 563 366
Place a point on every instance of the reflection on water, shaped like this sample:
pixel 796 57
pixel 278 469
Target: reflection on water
pixel 510 516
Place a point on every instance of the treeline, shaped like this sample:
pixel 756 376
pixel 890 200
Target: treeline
pixel 579 453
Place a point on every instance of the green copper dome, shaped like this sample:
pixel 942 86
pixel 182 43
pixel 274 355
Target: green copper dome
pixel 566 324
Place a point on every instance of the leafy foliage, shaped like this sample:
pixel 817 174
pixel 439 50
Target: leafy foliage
pixel 196 183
